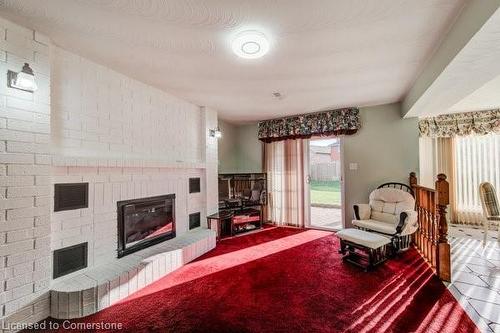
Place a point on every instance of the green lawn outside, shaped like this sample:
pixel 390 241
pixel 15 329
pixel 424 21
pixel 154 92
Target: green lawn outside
pixel 325 192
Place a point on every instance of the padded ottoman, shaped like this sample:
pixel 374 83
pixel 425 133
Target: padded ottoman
pixel 363 248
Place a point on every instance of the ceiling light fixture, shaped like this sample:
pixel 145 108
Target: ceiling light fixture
pixel 250 44
pixel 24 80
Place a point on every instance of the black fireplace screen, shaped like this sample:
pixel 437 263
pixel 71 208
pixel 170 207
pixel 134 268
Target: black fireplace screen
pixel 144 222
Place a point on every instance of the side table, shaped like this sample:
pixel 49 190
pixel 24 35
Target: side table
pixel 219 218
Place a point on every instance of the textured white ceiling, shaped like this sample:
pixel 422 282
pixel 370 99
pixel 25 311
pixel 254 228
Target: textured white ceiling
pixel 324 53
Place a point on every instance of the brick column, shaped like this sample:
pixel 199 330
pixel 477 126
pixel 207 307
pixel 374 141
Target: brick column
pixel 211 162
pixel 24 178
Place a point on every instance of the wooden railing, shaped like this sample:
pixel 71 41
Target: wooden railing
pixel 431 238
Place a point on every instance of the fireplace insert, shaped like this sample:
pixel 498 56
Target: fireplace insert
pixel 145 222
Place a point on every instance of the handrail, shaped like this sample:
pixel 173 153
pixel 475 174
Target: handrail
pixel 425 188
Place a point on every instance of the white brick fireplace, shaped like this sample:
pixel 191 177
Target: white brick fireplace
pixel 86 123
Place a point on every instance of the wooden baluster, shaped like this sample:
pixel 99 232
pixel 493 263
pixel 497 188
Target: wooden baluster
pixel 413 185
pixel 435 244
pixel 433 234
pixel 419 230
pixel 429 231
pixel 444 259
pixel 425 222
pixel 431 224
pixel 432 257
pixel 428 226
pixel 428 219
pixel 422 221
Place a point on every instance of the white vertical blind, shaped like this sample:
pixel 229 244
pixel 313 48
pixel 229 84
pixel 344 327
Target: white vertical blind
pixel 477 160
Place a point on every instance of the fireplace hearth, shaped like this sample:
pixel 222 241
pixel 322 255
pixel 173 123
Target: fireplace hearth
pixel 145 222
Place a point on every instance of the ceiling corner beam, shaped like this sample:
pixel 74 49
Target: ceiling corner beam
pixel 471 19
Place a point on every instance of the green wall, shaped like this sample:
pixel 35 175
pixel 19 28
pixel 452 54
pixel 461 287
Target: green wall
pixel 227 147
pixel 385 149
pixel 239 148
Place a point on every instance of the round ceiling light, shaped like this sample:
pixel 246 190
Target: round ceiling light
pixel 250 44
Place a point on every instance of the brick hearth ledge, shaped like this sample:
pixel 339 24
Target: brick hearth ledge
pixel 103 285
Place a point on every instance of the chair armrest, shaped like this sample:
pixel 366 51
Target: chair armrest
pixel 362 211
pixel 408 223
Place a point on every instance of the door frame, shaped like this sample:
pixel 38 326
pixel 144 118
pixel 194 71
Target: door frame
pixel 307 194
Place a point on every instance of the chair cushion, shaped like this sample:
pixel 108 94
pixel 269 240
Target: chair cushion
pixel 385 217
pixel 489 200
pixel 383 227
pixel 364 238
pixel 391 200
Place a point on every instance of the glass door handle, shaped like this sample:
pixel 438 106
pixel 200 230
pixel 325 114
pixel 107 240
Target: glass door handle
pixel 308 179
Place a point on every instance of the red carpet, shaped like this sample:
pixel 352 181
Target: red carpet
pixel 290 280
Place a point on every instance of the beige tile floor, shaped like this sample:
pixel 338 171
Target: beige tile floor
pixel 476 275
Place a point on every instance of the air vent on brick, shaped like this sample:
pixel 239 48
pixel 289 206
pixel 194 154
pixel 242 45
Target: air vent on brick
pixel 70 259
pixel 71 196
pixel 194 185
pixel 194 220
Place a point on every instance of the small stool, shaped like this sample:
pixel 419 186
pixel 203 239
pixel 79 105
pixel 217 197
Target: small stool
pixel 371 247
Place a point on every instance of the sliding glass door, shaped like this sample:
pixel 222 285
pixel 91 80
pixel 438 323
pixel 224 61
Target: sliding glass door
pixel 325 183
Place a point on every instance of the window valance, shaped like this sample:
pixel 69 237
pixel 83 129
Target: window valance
pixel 460 124
pixel 334 122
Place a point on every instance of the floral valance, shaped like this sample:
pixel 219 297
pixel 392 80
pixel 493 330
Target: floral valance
pixel 335 122
pixel 461 124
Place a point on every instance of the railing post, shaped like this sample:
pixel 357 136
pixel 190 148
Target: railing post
pixel 443 200
pixel 413 184
pixel 413 180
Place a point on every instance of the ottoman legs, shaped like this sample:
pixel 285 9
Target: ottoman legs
pixel 364 257
pixel 343 247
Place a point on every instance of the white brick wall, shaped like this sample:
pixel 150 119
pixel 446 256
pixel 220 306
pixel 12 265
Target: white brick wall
pixel 24 204
pixel 97 112
pixel 85 123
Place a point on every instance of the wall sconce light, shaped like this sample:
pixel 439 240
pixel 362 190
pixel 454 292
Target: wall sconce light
pixel 24 80
pixel 215 133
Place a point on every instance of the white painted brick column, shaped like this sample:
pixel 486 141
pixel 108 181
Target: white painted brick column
pixel 25 265
pixel 211 162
